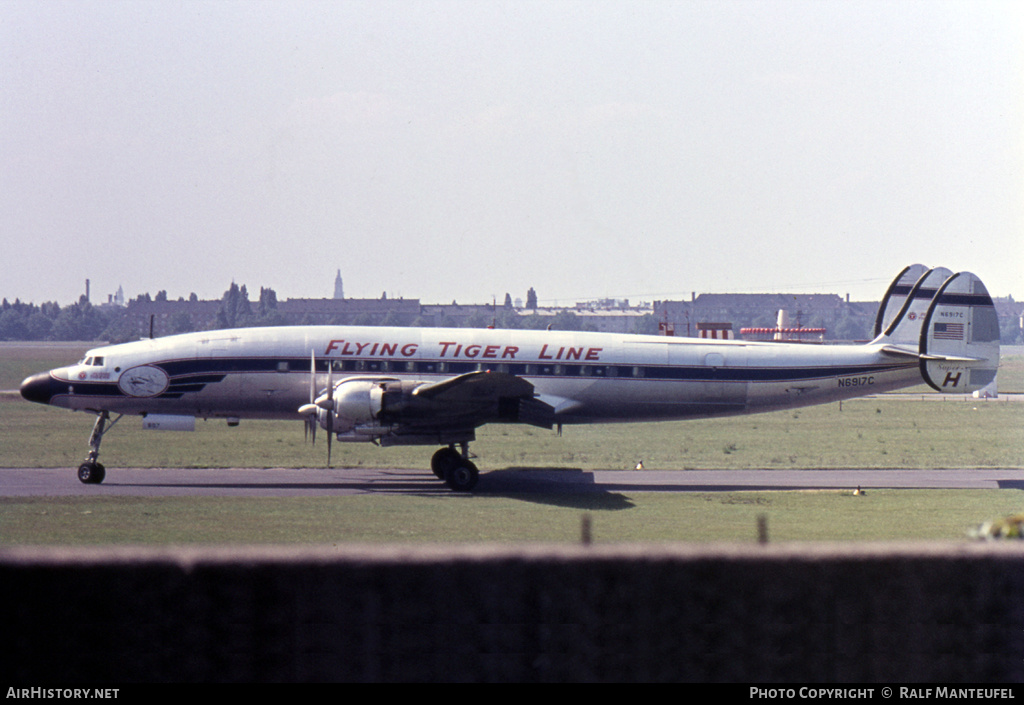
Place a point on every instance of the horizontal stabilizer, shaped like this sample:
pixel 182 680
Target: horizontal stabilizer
pixel 903 352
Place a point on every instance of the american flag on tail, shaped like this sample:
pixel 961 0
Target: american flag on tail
pixel 948 331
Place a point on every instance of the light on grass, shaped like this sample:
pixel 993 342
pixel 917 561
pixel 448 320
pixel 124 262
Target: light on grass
pixel 639 517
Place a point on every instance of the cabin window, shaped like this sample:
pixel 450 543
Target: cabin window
pixel 282 366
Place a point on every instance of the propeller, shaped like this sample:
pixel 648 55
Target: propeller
pixel 311 420
pixel 327 404
pixel 316 404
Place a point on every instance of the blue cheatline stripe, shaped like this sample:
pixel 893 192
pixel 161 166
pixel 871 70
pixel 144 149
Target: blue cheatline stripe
pixel 183 372
pixel 193 376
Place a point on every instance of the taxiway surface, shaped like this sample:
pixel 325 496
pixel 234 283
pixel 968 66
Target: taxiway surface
pixel 284 482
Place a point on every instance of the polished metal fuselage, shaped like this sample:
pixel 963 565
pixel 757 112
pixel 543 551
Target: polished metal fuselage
pixel 585 377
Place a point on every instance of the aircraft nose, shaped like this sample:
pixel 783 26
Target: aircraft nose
pixel 38 388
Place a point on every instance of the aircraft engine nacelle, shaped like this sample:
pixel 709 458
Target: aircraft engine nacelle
pixel 357 402
pixel 371 404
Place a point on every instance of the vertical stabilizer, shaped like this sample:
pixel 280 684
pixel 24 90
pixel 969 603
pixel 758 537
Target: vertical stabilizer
pixel 896 295
pixel 904 327
pixel 959 337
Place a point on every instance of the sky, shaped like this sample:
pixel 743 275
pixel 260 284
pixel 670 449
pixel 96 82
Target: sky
pixel 464 149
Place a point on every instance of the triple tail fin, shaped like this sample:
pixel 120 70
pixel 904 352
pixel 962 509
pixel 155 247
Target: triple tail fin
pixel 947 322
pixel 903 324
pixel 896 296
pixel 959 344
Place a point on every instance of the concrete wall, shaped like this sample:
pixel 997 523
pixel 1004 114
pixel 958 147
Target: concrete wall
pixel 757 614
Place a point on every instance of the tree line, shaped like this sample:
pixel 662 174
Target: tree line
pixel 84 321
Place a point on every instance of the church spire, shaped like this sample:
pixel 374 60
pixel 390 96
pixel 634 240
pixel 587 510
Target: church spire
pixel 339 292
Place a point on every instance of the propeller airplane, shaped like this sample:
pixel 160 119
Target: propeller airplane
pixel 436 386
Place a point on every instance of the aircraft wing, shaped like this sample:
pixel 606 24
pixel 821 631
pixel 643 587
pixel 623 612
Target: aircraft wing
pixel 474 386
pixel 492 395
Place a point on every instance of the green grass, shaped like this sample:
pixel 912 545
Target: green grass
pixel 455 518
pixel 864 433
pixel 19 360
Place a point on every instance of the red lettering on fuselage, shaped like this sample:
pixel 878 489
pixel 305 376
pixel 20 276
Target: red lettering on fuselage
pixel 345 348
pixel 452 349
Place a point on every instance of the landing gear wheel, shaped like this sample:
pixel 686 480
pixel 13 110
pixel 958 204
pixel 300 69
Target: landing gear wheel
pixel 91 473
pixel 443 461
pixel 462 477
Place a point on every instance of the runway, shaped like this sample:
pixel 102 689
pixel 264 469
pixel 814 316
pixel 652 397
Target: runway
pixel 293 482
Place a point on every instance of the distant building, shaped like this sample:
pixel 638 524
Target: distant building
pixel 761 310
pixel 347 312
pixel 715 331
pixel 115 300
pixel 339 291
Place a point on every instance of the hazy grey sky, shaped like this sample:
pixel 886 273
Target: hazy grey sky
pixel 462 149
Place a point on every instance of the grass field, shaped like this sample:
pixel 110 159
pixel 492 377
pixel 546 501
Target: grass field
pixel 866 433
pixel 878 515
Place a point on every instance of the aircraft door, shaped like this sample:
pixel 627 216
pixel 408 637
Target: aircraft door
pixel 724 382
pixel 214 364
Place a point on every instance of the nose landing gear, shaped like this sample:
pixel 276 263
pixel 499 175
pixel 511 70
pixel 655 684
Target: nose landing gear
pixel 92 472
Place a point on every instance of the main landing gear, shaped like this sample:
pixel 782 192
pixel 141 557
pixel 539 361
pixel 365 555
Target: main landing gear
pixel 455 468
pixel 92 472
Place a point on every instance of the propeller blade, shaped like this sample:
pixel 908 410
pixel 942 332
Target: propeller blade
pixel 328 406
pixel 312 376
pixel 311 409
pixel 330 435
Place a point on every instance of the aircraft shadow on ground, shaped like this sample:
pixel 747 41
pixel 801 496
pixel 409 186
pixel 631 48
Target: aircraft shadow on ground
pixel 574 488
pixel 390 481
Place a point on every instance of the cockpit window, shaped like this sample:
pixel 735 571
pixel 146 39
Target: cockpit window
pixel 97 361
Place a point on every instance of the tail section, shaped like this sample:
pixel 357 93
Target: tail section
pixel 896 296
pixel 904 324
pixel 959 343
pixel 947 322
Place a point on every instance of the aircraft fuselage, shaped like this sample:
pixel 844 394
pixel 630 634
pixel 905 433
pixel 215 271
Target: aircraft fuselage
pixel 585 377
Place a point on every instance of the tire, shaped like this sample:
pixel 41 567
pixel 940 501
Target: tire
pixel 444 460
pixel 91 473
pixel 463 477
